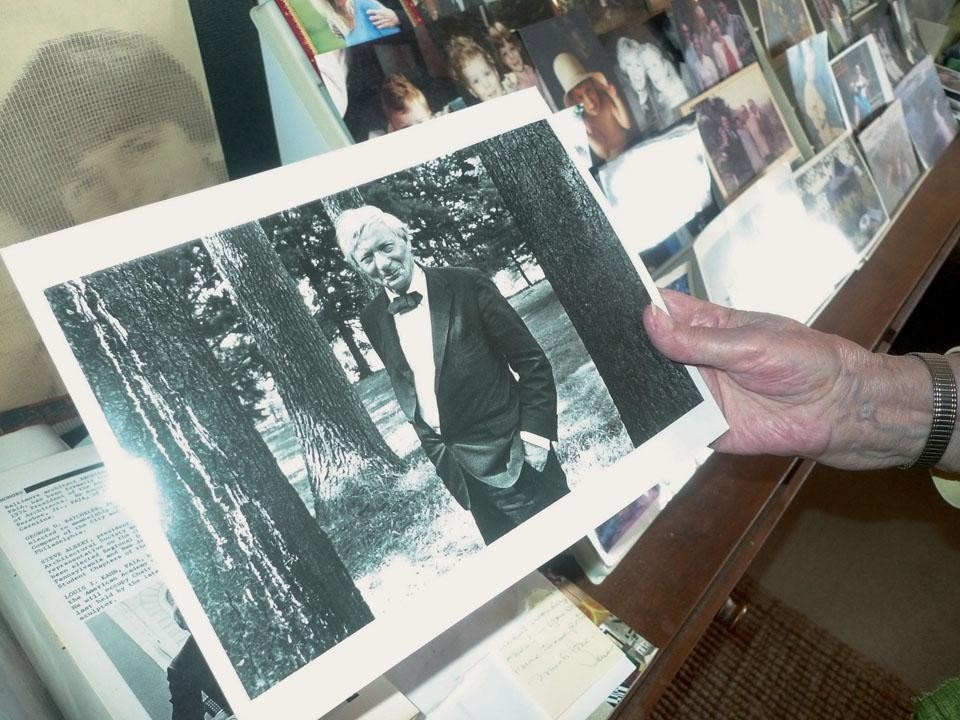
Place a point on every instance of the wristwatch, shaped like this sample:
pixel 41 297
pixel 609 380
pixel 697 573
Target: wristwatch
pixel 944 409
pixel 948 484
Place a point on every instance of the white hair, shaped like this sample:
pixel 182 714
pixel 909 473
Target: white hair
pixel 352 226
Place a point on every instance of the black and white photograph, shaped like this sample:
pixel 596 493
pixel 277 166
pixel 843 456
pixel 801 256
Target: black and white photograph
pixel 861 82
pixel 578 72
pixel 837 188
pixel 814 94
pixel 742 128
pixel 931 124
pixel 906 31
pixel 784 24
pixel 360 395
pixel 878 22
pixel 889 155
pixel 714 39
pixel 654 80
pixel 836 21
pixel 766 253
pixel 661 211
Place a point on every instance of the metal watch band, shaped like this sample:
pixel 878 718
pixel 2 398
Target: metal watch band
pixel 944 409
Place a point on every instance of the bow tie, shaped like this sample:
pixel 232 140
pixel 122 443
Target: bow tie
pixel 404 303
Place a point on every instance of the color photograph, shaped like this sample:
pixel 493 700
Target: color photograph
pixel 742 129
pixel 766 252
pixel 334 24
pixel 577 71
pixel 835 19
pixel 837 188
pixel 386 86
pixel 861 82
pixel 660 212
pixel 714 39
pixel 878 22
pixel 889 154
pixel 358 396
pixel 931 125
pixel 784 24
pixel 813 91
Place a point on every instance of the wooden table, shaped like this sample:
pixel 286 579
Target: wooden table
pixel 673 582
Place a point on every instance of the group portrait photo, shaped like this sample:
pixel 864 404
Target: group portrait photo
pixel 343 401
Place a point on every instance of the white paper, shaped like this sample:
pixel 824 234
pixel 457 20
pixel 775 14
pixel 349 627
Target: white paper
pixel 405 626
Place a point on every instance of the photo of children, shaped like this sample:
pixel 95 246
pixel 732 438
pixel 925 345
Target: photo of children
pixel 389 84
pixel 578 72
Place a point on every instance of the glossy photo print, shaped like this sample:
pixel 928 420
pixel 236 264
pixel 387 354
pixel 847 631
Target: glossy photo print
pixel 814 94
pixel 742 128
pixel 354 398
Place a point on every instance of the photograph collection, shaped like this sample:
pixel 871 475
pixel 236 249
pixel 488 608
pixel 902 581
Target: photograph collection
pixel 362 394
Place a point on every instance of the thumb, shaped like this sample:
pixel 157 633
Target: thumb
pixel 717 347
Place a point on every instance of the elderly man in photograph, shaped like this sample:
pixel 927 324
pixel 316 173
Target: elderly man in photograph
pixel 466 371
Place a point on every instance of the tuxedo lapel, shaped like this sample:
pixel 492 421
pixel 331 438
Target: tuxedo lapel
pixel 405 389
pixel 441 298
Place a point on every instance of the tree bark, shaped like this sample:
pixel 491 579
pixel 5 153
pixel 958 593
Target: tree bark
pixel 591 274
pixel 346 332
pixel 269 580
pixel 336 434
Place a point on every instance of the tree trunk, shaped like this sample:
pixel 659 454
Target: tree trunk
pixel 338 438
pixel 591 274
pixel 343 200
pixel 519 266
pixel 269 580
pixel 346 332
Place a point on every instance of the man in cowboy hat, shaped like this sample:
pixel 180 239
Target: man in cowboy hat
pixel 609 125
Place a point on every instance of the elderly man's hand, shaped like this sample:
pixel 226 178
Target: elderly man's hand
pixel 786 389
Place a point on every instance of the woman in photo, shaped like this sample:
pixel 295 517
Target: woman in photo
pixel 510 53
pixel 860 94
pixel 653 79
pixel 358 21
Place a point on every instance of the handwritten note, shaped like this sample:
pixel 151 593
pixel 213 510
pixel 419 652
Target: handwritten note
pixel 557 653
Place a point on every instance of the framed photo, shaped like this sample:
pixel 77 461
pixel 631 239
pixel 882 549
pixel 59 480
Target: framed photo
pixel 837 188
pixel 654 79
pixel 714 39
pixel 931 125
pixel 814 93
pixel 765 252
pixel 742 129
pixel 889 153
pixel 861 82
pixel 663 210
pixel 877 21
pixel 906 31
pixel 835 19
pixel 784 24
pixel 577 71
pixel 249 361
pixel 387 86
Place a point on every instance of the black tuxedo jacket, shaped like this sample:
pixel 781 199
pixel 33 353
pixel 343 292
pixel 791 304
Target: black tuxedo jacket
pixel 478 338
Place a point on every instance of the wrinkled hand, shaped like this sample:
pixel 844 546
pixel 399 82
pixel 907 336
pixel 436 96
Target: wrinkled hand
pixel 535 456
pixel 383 18
pixel 786 389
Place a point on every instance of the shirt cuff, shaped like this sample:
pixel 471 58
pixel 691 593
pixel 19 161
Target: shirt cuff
pixel 535 439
